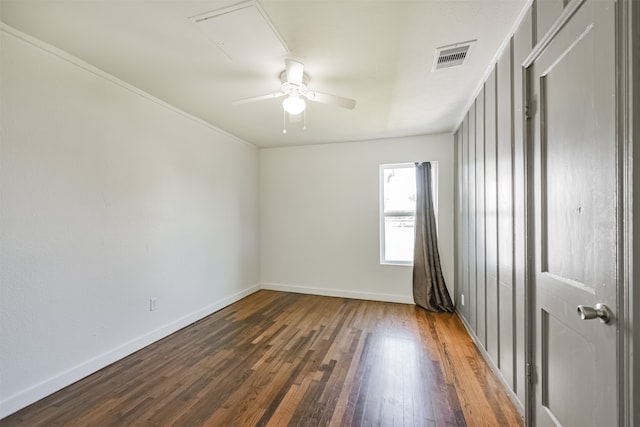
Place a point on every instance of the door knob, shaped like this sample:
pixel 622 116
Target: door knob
pixel 600 311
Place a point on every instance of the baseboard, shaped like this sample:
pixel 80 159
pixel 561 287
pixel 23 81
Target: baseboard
pixel 26 397
pixel 512 395
pixel 330 292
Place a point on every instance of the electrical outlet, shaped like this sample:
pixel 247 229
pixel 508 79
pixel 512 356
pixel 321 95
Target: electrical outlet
pixel 462 299
pixel 153 304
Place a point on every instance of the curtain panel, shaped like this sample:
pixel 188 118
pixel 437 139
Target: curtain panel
pixel 429 289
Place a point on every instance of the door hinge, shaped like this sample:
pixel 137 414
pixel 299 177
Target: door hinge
pixel 532 377
pixel 527 112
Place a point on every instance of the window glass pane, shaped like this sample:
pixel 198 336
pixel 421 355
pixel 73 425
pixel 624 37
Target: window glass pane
pixel 399 237
pixel 399 189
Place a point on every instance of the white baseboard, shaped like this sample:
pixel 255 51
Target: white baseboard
pixel 51 385
pixel 329 292
pixel 63 379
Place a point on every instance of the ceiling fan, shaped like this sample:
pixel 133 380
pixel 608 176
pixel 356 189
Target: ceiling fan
pixel 295 87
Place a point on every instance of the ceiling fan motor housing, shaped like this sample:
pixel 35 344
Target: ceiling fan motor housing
pixel 291 88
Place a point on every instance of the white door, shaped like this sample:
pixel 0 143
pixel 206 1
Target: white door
pixel 576 215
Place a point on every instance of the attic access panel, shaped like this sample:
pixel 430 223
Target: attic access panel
pixel 242 32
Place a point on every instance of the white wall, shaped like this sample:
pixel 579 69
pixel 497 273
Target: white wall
pixel 319 223
pixel 108 197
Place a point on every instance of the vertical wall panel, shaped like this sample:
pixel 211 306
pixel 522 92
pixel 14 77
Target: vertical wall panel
pixel 457 203
pixel 505 214
pixel 491 223
pixel 633 288
pixel 481 320
pixel 471 309
pixel 522 45
pixel 465 217
pixel 547 11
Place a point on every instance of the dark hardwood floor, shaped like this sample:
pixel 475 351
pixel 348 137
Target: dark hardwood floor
pixel 281 359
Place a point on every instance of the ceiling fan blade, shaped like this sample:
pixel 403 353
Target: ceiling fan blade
pixel 295 71
pixel 325 98
pixel 258 98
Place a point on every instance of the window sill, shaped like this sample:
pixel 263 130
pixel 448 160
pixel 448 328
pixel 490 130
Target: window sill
pixel 400 263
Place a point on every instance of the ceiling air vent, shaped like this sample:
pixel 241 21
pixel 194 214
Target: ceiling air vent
pixel 452 55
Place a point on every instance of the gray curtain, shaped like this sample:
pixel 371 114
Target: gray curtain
pixel 429 289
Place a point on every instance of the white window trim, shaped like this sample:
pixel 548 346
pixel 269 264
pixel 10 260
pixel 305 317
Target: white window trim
pixel 381 216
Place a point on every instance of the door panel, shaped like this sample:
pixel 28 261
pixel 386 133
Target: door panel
pixel 580 215
pixel 575 219
pixel 564 399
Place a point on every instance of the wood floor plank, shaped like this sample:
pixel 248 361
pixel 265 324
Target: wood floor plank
pixel 280 359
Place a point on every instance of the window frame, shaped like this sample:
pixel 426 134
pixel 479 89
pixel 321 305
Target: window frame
pixel 382 215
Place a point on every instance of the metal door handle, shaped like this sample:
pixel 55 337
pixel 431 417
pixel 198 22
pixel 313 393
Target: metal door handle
pixel 600 311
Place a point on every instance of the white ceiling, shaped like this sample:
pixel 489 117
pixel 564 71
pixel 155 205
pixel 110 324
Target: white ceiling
pixel 377 52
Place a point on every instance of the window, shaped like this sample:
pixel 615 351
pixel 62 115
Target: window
pixel 398 211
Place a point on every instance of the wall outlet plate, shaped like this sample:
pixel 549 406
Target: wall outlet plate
pixel 153 304
pixel 462 299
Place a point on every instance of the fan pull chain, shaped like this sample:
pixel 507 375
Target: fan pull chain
pixel 304 120
pixel 284 122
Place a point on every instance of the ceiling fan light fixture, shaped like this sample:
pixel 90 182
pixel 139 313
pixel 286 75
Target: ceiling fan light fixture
pixel 294 105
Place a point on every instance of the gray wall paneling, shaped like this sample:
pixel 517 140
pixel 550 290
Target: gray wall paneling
pixel 496 146
pixel 522 45
pixel 546 13
pixel 491 254
pixel 471 290
pixel 634 292
pixel 465 216
pixel 505 215
pixel 481 296
pixel 491 218
pixel 457 244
